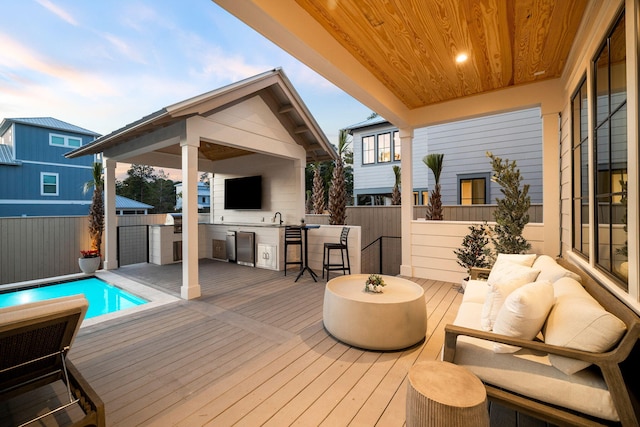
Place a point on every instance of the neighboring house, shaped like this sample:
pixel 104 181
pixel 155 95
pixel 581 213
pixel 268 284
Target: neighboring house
pixel 466 173
pixel 125 206
pixel 37 180
pixel 204 196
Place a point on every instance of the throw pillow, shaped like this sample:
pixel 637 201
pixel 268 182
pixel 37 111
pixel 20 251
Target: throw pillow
pixel 523 313
pixel 578 321
pixel 511 277
pixel 550 270
pixel 506 263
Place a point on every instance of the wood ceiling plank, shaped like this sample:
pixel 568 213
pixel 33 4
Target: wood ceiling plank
pixel 410 45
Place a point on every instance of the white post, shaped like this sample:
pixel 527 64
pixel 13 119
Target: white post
pixel 551 183
pixel 110 220
pixel 190 281
pixel 406 210
pixel 211 212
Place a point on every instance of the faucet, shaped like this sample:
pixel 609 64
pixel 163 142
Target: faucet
pixel 274 217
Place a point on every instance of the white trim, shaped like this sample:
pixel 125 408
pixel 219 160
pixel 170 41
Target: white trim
pixel 62 165
pixel 66 139
pixel 42 176
pixel 43 202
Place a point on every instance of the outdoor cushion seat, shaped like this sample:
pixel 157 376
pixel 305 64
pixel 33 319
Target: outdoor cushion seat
pixel 35 339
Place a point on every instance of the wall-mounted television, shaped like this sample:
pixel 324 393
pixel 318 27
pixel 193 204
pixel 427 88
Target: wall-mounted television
pixel 243 193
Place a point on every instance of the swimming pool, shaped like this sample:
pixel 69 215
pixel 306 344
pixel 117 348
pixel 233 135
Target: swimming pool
pixel 103 298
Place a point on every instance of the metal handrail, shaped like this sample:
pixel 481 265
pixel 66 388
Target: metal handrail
pixel 379 239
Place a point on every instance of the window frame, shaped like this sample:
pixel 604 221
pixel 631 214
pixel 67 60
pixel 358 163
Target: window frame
pixel 394 148
pixel 43 184
pixel 65 139
pixel 603 206
pixel 369 154
pixel 579 148
pixel 486 177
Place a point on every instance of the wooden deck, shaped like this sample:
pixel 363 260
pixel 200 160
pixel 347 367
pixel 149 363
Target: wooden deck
pixel 251 351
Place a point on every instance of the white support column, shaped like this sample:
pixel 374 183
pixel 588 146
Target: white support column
pixel 190 280
pixel 406 215
pixel 551 183
pixel 110 220
pixel 211 212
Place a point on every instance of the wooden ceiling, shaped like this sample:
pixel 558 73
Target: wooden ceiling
pixel 411 45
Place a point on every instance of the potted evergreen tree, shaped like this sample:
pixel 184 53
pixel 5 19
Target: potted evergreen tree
pixel 474 251
pixel 512 213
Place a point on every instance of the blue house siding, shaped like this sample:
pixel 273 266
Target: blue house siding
pixel 33 145
pixel 21 192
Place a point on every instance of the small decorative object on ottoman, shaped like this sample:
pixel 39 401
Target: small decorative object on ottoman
pixel 441 394
pixel 374 284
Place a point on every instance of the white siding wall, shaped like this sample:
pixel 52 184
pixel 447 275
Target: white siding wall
pixel 251 124
pixel 280 190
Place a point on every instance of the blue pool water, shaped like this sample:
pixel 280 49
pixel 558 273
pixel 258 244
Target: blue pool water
pixel 103 298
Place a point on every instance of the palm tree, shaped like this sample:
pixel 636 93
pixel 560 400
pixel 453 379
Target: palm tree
pixel 338 190
pixel 318 190
pixel 396 196
pixel 96 211
pixel 434 208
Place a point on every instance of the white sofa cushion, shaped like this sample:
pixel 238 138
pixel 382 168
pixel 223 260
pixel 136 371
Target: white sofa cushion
pixel 550 270
pixel 523 313
pixel 523 259
pixel 578 321
pixel 509 278
pixel 531 374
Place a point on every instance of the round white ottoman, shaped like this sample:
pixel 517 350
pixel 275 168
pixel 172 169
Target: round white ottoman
pixel 391 320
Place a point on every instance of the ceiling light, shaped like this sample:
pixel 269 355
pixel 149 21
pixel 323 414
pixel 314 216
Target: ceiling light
pixel 462 57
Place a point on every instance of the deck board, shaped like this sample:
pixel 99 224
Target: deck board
pixel 251 351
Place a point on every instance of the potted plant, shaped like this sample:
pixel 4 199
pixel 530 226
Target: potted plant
pixel 91 258
pixel 474 251
pixel 374 284
pixel 512 213
pixel 89 261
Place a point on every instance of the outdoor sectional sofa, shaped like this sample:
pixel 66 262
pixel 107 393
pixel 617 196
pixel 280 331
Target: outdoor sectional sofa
pixel 548 341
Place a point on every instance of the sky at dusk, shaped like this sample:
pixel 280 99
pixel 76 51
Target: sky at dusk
pixel 102 64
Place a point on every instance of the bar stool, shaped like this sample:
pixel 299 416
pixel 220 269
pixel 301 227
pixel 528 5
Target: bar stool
pixel 292 237
pixel 344 251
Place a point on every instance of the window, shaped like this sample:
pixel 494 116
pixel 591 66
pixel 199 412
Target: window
pixel 396 146
pixel 420 198
pixel 381 148
pixel 580 165
pixel 48 184
pixel 384 148
pixel 610 153
pixel 472 190
pixel 368 149
pixel 64 141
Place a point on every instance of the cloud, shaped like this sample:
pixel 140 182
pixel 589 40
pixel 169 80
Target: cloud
pixel 58 11
pixel 124 48
pixel 20 60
